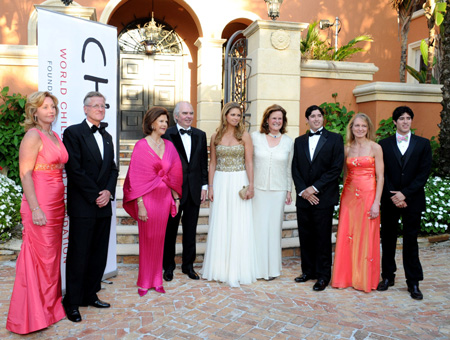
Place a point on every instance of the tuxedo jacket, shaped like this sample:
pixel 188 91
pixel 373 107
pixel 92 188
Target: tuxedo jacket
pixel 195 172
pixel 407 173
pixel 87 173
pixel 322 171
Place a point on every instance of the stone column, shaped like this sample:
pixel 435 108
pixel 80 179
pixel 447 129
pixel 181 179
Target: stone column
pixel 209 83
pixel 274 48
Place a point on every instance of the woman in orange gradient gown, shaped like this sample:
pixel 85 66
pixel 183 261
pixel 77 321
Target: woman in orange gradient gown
pixel 357 254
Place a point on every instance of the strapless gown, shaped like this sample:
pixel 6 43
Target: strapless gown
pixel 230 248
pixel 357 254
pixel 36 298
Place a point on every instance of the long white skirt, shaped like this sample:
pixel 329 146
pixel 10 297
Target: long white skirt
pixel 230 250
pixel 268 210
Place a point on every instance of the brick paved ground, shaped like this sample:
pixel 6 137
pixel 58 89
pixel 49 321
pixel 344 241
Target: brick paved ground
pixel 279 309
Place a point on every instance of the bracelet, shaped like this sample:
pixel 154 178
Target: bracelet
pixel 140 200
pixel 37 208
pixel 210 186
pixel 177 199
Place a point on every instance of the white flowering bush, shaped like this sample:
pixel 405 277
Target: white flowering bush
pixel 436 218
pixel 10 200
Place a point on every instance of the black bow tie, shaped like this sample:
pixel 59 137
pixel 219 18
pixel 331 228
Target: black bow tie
pixel 183 131
pixel 101 129
pixel 317 133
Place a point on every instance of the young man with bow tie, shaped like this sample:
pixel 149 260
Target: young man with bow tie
pixel 316 166
pixel 91 183
pixel 407 164
pixel 191 146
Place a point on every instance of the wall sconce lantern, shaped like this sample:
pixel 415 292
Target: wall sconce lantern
pixel 273 8
pixel 67 2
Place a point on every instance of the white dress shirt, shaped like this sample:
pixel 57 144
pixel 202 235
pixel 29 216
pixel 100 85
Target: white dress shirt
pixel 312 142
pixel 403 145
pixel 98 138
pixel 186 139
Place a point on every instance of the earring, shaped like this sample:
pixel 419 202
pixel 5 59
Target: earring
pixel 35 118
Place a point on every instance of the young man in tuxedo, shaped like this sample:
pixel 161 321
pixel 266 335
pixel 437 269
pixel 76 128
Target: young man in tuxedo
pixel 191 146
pixel 407 164
pixel 316 167
pixel 91 184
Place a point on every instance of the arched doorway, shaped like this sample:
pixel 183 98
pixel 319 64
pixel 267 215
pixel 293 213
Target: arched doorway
pixel 151 62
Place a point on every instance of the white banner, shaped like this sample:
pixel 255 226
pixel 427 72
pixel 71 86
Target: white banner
pixel 77 56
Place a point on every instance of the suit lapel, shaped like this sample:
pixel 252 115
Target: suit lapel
pixel 396 150
pixel 107 153
pixel 409 151
pixel 91 143
pixel 194 142
pixel 305 143
pixel 176 139
pixel 322 140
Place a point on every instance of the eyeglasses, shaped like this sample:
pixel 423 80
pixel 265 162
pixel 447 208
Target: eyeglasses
pixel 97 107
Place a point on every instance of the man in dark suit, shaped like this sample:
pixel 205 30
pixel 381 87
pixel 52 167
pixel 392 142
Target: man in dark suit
pixel 191 146
pixel 316 166
pixel 91 183
pixel 407 164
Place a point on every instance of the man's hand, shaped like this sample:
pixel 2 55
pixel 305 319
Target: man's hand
pixel 103 198
pixel 309 194
pixel 398 197
pixel 203 196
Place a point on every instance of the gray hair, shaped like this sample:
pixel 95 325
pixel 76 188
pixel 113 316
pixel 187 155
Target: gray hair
pixel 91 94
pixel 176 110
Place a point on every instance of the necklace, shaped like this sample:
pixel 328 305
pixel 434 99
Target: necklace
pixel 49 132
pixel 158 145
pixel 275 136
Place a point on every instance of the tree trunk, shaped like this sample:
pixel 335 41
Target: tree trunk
pixel 444 133
pixel 431 38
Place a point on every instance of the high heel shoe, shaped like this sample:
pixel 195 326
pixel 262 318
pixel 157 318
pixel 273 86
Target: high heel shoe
pixel 160 289
pixel 142 292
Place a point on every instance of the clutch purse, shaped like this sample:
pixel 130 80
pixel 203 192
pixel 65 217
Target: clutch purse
pixel 243 192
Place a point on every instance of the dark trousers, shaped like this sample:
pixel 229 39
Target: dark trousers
pixel 86 259
pixel 314 230
pixel 390 216
pixel 188 213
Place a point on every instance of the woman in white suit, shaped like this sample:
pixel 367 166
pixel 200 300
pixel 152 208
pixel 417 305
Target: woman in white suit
pixel 272 158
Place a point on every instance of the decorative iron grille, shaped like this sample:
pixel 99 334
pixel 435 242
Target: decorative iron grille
pixel 237 73
pixel 132 39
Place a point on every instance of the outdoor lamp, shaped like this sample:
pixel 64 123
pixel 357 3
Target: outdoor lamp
pixel 151 33
pixel 273 8
pixel 67 2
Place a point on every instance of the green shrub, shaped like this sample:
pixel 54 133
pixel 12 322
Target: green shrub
pixel 11 131
pixel 10 200
pixel 336 117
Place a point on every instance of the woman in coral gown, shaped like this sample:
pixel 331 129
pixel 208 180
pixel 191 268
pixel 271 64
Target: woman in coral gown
pixel 36 298
pixel 230 248
pixel 152 191
pixel 357 254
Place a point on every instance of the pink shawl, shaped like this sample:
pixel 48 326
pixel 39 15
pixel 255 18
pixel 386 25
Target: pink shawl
pixel 147 171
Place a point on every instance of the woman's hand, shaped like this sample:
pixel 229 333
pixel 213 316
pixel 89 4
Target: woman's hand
pixel 177 205
pixel 250 193
pixel 39 217
pixel 211 194
pixel 288 198
pixel 142 212
pixel 374 211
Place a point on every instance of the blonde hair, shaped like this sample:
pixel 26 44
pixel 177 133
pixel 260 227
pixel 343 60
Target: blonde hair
pixel 238 130
pixel 350 137
pixel 35 101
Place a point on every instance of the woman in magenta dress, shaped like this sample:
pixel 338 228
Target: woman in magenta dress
pixel 152 191
pixel 36 298
pixel 357 254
